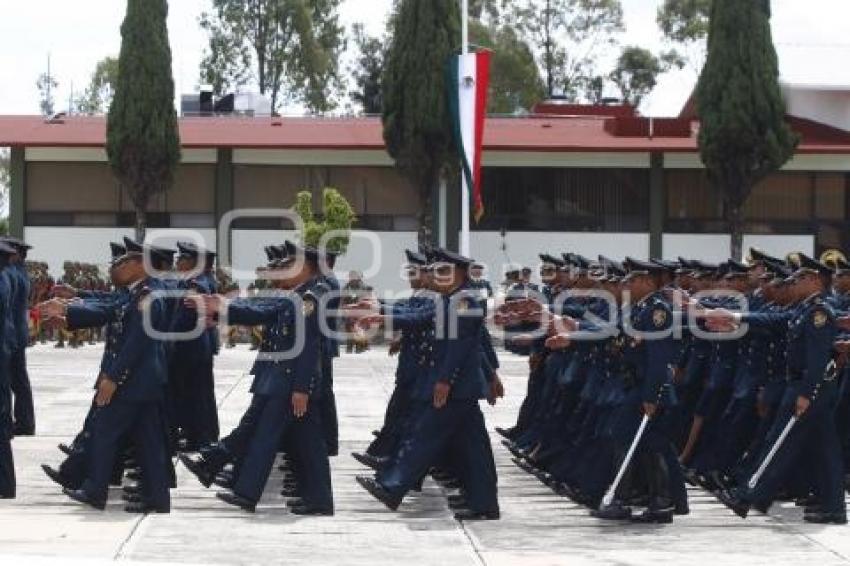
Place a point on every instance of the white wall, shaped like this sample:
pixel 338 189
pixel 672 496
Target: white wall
pixel 715 247
pixel 525 247
pixel 56 245
pixel 831 107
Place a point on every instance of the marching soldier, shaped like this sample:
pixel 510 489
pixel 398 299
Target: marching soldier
pixel 24 411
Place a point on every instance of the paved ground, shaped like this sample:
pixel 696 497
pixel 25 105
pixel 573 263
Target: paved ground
pixel 43 527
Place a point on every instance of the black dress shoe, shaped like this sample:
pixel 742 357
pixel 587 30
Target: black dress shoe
pixel 731 500
pixel 681 509
pixel 470 515
pixel 23 431
pixel 131 497
pixel 505 432
pixel 238 501
pixel 376 433
pixel 54 475
pixel 455 498
pixel 374 462
pixel 65 449
pixel 826 518
pixel 198 468
pixel 377 491
pixel 654 516
pixel 807 501
pixel 81 496
pixel 311 510
pixel 225 480
pixel 614 512
pixel 143 508
pixel 134 475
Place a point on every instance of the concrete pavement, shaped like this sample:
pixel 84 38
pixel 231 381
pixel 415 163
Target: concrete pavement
pixel 537 528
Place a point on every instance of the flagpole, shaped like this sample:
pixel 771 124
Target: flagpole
pixel 464 192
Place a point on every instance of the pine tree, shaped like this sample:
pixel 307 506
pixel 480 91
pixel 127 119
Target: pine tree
pixel 417 124
pixel 743 134
pixel 143 141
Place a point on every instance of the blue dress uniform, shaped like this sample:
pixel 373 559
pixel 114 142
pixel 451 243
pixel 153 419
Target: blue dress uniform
pixel 277 375
pixel 103 311
pixel 328 411
pixel 7 464
pixel 459 425
pixel 24 410
pixel 645 362
pixel 414 350
pixel 136 363
pixel 811 374
pixel 191 378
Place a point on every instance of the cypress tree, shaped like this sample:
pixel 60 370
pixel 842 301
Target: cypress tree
pixel 417 123
pixel 143 141
pixel 743 134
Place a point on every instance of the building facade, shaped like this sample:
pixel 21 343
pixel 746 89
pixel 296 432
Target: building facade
pixel 585 179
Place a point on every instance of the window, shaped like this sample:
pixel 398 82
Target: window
pixel 565 200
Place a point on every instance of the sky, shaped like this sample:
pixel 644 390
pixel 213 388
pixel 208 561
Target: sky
pixel 811 37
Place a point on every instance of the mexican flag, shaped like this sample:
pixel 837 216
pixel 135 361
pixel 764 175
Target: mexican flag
pixel 468 81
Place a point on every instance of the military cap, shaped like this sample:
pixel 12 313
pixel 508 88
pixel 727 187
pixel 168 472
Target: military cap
pixel 756 256
pixel 6 248
pixel 842 267
pixel 611 267
pixel 810 264
pixel 190 249
pixel 415 258
pixel 16 243
pixel 550 259
pixel 445 256
pixel 117 250
pixel 633 265
pixel 671 267
pixel 133 246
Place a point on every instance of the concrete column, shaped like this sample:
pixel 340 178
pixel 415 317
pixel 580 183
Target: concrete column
pixel 17 192
pixel 223 185
pixel 657 205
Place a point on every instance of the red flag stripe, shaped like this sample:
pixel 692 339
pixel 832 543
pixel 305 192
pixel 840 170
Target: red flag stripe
pixel 482 87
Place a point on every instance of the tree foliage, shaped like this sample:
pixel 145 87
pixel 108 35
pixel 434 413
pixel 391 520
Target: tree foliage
pixel 338 218
pixel 288 49
pixel 417 124
pixel 47 85
pixel 143 142
pixel 743 134
pixel 637 71
pixel 567 37
pixel 367 71
pixel 98 95
pixel 685 23
pixel 515 82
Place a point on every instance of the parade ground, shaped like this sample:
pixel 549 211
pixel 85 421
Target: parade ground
pixel 537 528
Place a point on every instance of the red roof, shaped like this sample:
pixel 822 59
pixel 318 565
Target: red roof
pixel 535 134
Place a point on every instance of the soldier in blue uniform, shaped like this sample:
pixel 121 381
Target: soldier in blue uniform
pixel 287 384
pixel 130 387
pixel 191 380
pixel 446 398
pixel 648 352
pixel 24 411
pixel 414 348
pixel 7 463
pixel 811 397
pixel 72 471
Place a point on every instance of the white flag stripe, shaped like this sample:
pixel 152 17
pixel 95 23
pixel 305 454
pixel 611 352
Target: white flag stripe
pixel 466 112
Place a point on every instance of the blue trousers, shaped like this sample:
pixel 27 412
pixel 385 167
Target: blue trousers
pixel 142 423
pixel 459 429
